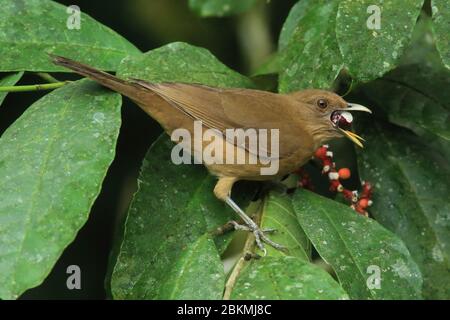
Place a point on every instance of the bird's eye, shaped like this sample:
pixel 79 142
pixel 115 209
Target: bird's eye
pixel 322 103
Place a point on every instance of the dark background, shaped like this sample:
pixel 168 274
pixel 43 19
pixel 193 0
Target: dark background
pixel 148 24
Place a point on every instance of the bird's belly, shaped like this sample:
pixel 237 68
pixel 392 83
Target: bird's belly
pixel 258 171
pixel 224 159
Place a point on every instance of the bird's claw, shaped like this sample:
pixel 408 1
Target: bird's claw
pixel 260 236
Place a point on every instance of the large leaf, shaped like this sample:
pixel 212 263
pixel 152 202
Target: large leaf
pixel 181 62
pixel 412 96
pixel 278 214
pixel 422 49
pixel 173 208
pixel 9 80
pixel 311 59
pixel 220 8
pixel 197 274
pixel 411 199
pixel 286 278
pixel 369 52
pixel 52 162
pixel 441 27
pixel 355 246
pixel 270 66
pixel 297 12
pixel 31 29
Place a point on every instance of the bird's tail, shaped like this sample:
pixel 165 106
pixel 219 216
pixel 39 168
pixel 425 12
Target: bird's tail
pixel 114 83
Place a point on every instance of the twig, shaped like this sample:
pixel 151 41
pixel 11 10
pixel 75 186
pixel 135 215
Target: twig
pixel 34 87
pixel 254 36
pixel 248 250
pixel 223 229
pixel 47 77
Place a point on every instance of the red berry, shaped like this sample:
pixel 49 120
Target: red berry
pixel 321 153
pixel 348 194
pixel 344 173
pixel 334 185
pixel 363 203
pixel 367 189
pixel 360 210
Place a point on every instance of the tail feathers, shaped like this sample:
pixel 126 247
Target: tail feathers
pixel 105 79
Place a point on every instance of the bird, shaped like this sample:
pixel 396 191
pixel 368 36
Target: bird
pixel 304 120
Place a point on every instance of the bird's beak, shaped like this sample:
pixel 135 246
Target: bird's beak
pixel 353 136
pixel 357 107
pixel 344 118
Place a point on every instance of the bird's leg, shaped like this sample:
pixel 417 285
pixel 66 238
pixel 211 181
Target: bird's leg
pixel 251 226
pixel 244 227
pixel 222 191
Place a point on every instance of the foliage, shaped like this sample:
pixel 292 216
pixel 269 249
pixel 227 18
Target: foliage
pixel 55 156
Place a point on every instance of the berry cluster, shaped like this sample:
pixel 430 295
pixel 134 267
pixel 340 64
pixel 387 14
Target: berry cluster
pixel 304 180
pixel 358 202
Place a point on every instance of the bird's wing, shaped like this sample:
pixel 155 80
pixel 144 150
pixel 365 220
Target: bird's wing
pixel 222 109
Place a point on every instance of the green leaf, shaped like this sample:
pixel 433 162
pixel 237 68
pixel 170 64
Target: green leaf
pixel 353 245
pixel 370 52
pixel 412 96
pixel 220 8
pixel 422 49
pixel 292 22
pixel 53 160
pixel 441 26
pixel 198 273
pixel 270 66
pixel 278 214
pixel 411 199
pixel 173 208
pixel 9 80
pixel 181 62
pixel 31 29
pixel 286 278
pixel 312 59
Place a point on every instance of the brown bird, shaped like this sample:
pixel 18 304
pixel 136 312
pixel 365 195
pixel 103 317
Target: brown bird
pixel 304 120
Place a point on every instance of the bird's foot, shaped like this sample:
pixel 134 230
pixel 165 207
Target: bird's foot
pixel 260 235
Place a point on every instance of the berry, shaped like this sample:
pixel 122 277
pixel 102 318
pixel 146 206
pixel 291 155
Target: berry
pixel 321 153
pixel 361 211
pixel 334 185
pixel 348 194
pixel 363 203
pixel 344 173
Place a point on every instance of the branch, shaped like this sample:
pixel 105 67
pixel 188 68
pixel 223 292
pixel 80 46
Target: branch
pixel 34 87
pixel 47 77
pixel 254 36
pixel 247 251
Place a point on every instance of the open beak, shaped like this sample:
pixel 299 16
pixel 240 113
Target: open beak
pixel 357 107
pixel 353 136
pixel 343 119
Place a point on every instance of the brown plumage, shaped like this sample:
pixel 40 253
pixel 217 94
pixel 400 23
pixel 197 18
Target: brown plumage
pixel 305 120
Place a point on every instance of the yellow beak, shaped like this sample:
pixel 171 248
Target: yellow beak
pixel 353 136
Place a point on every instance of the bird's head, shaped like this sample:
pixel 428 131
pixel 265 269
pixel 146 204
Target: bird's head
pixel 329 115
